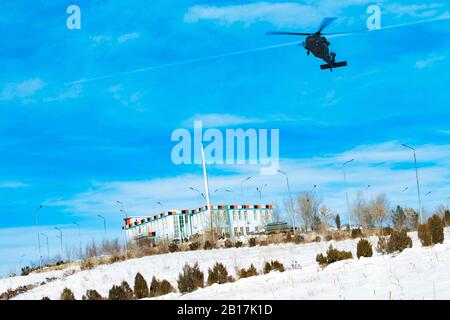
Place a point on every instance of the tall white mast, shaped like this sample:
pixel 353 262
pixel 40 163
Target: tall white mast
pixel 208 202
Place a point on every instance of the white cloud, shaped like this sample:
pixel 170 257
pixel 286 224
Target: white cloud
pixel 119 94
pixel 128 37
pixel 387 167
pixel 74 91
pixel 220 120
pixel 12 184
pixel 100 38
pixel 414 10
pixel 282 14
pixel 422 64
pixel 22 90
pixel 330 99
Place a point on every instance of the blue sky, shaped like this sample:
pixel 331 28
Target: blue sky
pixel 79 147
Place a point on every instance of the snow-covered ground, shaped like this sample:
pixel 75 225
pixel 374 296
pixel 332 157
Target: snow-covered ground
pixel 417 273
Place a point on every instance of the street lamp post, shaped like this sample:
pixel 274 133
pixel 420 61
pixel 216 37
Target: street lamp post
pixel 244 229
pixel 38 234
pixel 259 189
pixel 229 215
pixel 346 194
pixel 48 250
pixel 61 239
pixel 79 235
pixel 291 203
pixel 417 181
pixel 124 230
pixel 104 222
pixel 242 183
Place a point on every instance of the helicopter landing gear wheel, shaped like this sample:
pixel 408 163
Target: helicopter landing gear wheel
pixel 308 53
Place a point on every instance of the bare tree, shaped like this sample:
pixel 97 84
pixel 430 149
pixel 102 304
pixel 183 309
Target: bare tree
pixel 440 210
pixel 276 214
pixel 308 205
pixel 361 210
pixel 380 208
pixel 326 217
pixel 412 218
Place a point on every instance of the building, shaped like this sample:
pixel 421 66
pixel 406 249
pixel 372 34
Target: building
pixel 175 225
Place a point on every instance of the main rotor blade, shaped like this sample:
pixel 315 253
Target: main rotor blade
pixel 288 33
pixel 325 23
pixel 343 33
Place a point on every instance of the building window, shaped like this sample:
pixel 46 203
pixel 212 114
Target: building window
pixel 247 229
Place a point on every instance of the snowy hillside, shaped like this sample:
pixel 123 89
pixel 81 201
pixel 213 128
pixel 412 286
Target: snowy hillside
pixel 417 273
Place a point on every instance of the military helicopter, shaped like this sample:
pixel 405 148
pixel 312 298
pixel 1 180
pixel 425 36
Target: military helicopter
pixel 317 44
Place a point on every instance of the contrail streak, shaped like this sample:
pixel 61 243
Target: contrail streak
pixel 177 63
pixel 235 53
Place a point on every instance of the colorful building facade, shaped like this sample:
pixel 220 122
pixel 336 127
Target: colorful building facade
pixel 176 225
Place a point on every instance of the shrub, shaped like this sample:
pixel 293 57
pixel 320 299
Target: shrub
pixel 122 292
pixel 263 243
pixel 238 244
pixel 208 245
pixel 92 295
pixel 321 259
pixel 164 288
pixel 190 279
pixel 26 271
pixel 424 235
pixel 67 294
pixel 252 242
pixel 436 229
pixel 246 273
pixel 398 241
pixel 333 255
pixel 45 298
pixel 140 286
pixel 116 257
pixel 218 274
pixel 364 249
pixel 159 288
pixel 386 231
pixel 173 247
pixel 11 293
pixel 273 265
pixel 288 237
pixel 86 265
pixel 194 245
pixel 447 218
pixel 317 239
pixel 382 245
pixel 299 239
pixel 357 233
pixel 228 243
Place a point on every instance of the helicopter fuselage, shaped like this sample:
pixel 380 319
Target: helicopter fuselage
pixel 319 46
